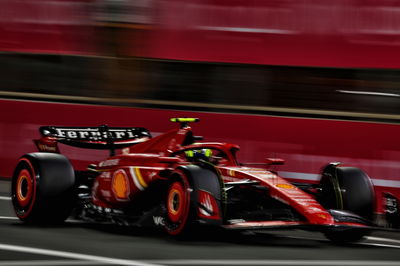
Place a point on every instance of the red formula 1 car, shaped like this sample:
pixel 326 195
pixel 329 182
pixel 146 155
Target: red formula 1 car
pixel 176 182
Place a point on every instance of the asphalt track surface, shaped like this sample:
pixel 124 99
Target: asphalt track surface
pixel 77 243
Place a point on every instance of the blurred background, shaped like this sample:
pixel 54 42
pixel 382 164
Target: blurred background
pixel 307 59
pixel 341 55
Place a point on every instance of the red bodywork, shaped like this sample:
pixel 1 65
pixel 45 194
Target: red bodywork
pixel 142 164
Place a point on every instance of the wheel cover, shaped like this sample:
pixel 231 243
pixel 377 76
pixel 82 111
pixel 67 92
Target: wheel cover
pixel 176 203
pixel 177 206
pixel 24 188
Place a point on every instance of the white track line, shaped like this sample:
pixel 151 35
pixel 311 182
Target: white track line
pixel 373 238
pixel 8 218
pixel 107 260
pixel 5 198
pixel 73 221
pixel 72 255
pixel 381 245
pixel 46 262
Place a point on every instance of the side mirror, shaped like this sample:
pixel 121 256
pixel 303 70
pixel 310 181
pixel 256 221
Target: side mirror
pixel 274 161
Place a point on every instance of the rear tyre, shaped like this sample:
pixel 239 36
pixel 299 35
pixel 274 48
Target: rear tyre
pixel 177 204
pixel 42 188
pixel 183 200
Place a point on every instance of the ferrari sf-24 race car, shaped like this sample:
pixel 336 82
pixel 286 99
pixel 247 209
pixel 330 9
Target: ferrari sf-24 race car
pixel 178 183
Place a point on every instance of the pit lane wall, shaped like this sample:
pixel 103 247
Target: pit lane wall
pixel 305 144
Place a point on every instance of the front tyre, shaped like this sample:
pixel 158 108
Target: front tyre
pixel 351 190
pixel 347 188
pixel 42 188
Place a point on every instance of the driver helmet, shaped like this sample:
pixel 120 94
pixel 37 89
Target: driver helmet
pixel 202 154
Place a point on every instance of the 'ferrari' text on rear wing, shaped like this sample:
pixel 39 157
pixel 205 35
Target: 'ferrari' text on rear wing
pixel 102 137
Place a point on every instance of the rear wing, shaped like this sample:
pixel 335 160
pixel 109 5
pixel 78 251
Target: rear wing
pixel 102 137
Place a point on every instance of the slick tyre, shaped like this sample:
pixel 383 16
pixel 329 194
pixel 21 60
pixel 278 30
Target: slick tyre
pixel 42 188
pixel 348 188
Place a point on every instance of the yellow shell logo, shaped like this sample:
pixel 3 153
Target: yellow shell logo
pixel 120 184
pixel 285 186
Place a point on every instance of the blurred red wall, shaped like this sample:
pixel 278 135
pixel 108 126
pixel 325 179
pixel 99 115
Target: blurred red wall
pixel 305 144
pixel 47 26
pixel 341 33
